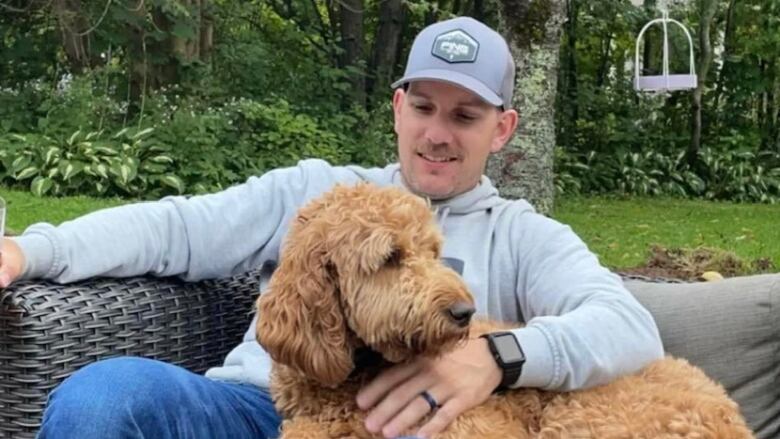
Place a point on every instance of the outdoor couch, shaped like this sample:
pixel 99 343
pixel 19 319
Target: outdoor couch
pixel 730 328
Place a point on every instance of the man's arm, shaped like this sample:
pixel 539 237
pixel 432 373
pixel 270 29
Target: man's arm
pixel 199 237
pixel 583 326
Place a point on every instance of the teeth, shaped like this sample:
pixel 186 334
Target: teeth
pixel 436 159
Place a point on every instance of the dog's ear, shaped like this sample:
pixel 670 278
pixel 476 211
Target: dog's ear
pixel 300 322
pixel 373 249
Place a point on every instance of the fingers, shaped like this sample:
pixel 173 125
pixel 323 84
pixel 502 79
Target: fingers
pixel 457 381
pixel 402 400
pixel 414 412
pixel 442 418
pixel 5 277
pixel 11 262
pixel 377 389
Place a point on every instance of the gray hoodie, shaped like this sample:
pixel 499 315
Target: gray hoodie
pixel 583 328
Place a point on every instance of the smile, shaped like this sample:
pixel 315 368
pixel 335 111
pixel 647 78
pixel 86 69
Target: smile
pixel 437 159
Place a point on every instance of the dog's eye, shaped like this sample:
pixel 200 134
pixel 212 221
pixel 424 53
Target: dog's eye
pixel 393 259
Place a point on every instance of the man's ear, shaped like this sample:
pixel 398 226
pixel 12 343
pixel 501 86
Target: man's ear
pixel 398 101
pixel 507 124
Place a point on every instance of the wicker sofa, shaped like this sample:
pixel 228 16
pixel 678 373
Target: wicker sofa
pixel 48 331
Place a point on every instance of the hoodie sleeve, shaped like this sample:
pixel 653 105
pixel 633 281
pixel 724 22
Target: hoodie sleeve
pixel 196 238
pixel 584 328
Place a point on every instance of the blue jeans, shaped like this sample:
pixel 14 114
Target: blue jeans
pixel 141 398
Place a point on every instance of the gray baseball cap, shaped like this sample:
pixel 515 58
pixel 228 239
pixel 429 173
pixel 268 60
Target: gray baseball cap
pixel 464 52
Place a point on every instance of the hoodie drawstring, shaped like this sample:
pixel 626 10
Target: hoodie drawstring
pixel 441 216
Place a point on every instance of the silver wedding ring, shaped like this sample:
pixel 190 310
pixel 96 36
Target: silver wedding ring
pixel 430 400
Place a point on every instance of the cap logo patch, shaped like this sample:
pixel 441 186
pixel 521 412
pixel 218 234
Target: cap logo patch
pixel 455 46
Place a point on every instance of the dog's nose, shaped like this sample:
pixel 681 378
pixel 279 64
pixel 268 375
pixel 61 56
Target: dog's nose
pixel 461 313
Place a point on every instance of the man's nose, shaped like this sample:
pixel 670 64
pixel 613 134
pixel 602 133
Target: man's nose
pixel 438 133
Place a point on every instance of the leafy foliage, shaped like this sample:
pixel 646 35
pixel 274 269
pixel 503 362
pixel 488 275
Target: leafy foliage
pixel 735 176
pixel 127 163
pixel 273 88
pixel 614 139
pixel 187 146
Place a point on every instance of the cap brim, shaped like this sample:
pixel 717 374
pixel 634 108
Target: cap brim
pixel 454 78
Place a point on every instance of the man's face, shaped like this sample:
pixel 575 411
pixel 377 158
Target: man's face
pixel 445 134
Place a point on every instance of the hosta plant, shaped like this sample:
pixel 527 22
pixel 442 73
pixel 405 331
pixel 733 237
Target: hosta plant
pixel 128 163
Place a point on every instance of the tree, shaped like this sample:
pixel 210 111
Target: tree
pixel 386 43
pixel 156 38
pixel 707 10
pixel 73 29
pixel 567 82
pixel 351 20
pixel 727 50
pixel 524 168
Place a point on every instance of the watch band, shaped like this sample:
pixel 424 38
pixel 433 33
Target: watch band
pixel 510 377
pixel 510 370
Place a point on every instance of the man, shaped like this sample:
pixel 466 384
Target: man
pixel 452 109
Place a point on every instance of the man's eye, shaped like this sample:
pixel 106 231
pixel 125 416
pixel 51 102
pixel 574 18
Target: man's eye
pixel 422 108
pixel 466 117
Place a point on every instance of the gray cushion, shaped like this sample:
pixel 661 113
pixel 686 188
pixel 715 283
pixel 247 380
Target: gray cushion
pixel 731 329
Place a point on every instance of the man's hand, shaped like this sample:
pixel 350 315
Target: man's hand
pixel 458 381
pixel 11 262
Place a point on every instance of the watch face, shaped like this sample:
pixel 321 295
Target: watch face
pixel 508 349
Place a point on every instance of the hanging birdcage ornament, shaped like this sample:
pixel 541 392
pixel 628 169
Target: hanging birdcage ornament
pixel 666 81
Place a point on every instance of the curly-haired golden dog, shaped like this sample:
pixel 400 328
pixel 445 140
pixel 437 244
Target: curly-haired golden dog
pixel 361 273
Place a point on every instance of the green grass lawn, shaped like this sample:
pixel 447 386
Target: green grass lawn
pixel 619 230
pixel 25 208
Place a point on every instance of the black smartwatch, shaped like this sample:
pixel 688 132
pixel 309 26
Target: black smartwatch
pixel 508 354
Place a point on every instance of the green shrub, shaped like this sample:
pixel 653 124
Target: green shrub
pixel 737 176
pixel 129 163
pixel 217 147
pixel 208 146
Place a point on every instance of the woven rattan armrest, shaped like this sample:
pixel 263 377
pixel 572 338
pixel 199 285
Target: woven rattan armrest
pixel 47 331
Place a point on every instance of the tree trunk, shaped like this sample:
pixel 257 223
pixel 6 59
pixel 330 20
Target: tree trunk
pixel 524 168
pixel 196 47
pixel 206 42
pixel 72 22
pixel 768 112
pixel 567 102
pixel 455 9
pixel 388 37
pixel 155 63
pixel 707 10
pixel 351 17
pixel 648 49
pixel 163 57
pixel 478 10
pixel 601 74
pixel 727 49
pixel 190 48
pixel 572 9
pixel 769 127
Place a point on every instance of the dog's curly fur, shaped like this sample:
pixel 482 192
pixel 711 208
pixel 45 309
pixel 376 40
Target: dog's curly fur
pixel 361 269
